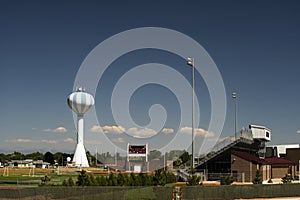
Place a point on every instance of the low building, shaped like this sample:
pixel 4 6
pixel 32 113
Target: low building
pixel 28 163
pixel 270 168
pixel 247 164
pixel 281 166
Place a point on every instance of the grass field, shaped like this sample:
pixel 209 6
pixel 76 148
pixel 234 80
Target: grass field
pixel 33 178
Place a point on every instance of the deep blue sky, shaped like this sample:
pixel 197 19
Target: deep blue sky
pixel 255 45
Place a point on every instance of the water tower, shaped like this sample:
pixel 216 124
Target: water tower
pixel 80 102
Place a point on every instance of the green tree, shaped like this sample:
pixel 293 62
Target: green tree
pixel 154 154
pixel 138 180
pixel 101 180
pixel 177 162
pixel 68 182
pixel 121 180
pixel 58 157
pixel 193 179
pixel 65 183
pixel 83 179
pixel 16 156
pixel 3 157
pixel 185 157
pixel 93 181
pixel 159 177
pixel 258 178
pixel 71 182
pixel 91 158
pixel 112 180
pixel 49 157
pixel 146 180
pixel 132 179
pixel 171 178
pixel 174 154
pixel 35 156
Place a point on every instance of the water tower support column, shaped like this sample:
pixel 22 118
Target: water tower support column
pixel 80 156
pixel 80 127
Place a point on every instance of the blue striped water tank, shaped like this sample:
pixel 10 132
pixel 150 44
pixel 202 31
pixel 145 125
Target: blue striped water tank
pixel 80 101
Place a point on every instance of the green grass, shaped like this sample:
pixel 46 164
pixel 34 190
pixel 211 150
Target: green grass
pixel 21 177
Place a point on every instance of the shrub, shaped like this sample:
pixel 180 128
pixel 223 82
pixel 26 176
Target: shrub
pixel 258 178
pixel 194 179
pixel 227 180
pixel 83 179
pixel 70 182
pixel 287 178
pixel 65 183
pixel 45 179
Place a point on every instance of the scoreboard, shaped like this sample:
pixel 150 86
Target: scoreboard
pixel 136 155
pixel 137 149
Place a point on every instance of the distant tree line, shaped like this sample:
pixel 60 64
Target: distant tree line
pixel 58 157
pixel 160 177
pixel 179 157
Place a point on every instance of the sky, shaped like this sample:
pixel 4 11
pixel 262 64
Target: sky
pixel 254 46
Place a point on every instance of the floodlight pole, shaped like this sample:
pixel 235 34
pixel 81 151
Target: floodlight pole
pixel 234 96
pixel 190 62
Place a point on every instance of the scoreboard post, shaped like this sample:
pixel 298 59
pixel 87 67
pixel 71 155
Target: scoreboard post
pixel 137 151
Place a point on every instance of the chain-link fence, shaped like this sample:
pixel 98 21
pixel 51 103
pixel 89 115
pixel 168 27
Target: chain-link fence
pixel 86 193
pixel 236 192
pixel 142 193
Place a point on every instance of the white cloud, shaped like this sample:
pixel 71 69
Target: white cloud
pixel 24 140
pixel 298 131
pixel 107 129
pixel 113 129
pixel 49 141
pixel 96 129
pixel 57 130
pixel 60 130
pixel 197 131
pixel 118 140
pixel 135 132
pixel 167 130
pixel 141 133
pixel 69 140
pixel 21 140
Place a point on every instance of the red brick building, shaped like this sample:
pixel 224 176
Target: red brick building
pixel 247 164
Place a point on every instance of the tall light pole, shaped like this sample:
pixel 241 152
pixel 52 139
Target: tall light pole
pixel 190 62
pixel 234 97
